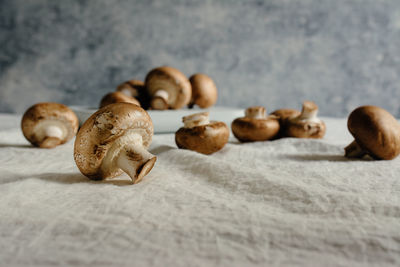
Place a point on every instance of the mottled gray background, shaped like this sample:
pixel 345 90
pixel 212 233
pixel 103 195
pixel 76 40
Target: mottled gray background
pixel 339 53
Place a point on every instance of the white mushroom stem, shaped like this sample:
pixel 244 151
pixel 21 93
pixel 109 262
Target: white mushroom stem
pixel 51 134
pixel 256 112
pixel 134 159
pixel 160 100
pixel 195 120
pixel 309 111
pixel 353 150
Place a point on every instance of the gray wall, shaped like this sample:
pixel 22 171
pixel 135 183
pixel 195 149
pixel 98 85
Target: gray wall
pixel 339 53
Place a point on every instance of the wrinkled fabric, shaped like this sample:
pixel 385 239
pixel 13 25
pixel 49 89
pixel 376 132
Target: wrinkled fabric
pixel 285 202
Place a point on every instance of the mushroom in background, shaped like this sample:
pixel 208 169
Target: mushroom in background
pixel 201 135
pixel 255 126
pixel 204 91
pixel 117 97
pixel 307 124
pixel 283 116
pixel 115 140
pixel 168 88
pixel 47 125
pixel 135 89
pixel 376 133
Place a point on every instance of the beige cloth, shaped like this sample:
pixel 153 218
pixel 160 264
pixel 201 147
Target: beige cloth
pixel 288 202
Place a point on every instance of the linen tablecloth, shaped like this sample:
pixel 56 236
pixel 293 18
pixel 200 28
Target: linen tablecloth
pixel 287 202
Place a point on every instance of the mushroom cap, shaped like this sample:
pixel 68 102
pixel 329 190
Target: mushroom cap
pixel 205 139
pixel 48 113
pixel 376 131
pixel 99 138
pixel 250 129
pixel 285 113
pixel 171 80
pixel 133 88
pixel 117 97
pixel 204 90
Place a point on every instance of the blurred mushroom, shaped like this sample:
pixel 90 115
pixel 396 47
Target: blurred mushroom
pixel 115 139
pixel 201 135
pixel 204 91
pixel 306 125
pixel 136 89
pixel 283 116
pixel 47 125
pixel 168 88
pixel 255 126
pixel 376 133
pixel 117 97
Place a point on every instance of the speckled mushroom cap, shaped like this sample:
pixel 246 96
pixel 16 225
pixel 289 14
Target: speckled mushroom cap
pixel 39 116
pixel 98 141
pixel 206 138
pixel 376 131
pixel 133 88
pixel 117 97
pixel 172 81
pixel 204 90
pixel 306 125
pixel 255 126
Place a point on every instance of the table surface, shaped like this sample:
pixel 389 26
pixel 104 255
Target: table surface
pixel 284 202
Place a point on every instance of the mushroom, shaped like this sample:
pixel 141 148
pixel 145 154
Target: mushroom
pixel 204 91
pixel 117 97
pixel 376 133
pixel 132 88
pixel 168 88
pixel 255 126
pixel 115 139
pixel 283 116
pixel 201 135
pixel 306 125
pixel 136 89
pixel 48 125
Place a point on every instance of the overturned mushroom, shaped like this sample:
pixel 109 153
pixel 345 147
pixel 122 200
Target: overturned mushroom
pixel 306 125
pixel 136 89
pixel 255 126
pixel 204 91
pixel 201 135
pixel 117 97
pixel 376 133
pixel 47 125
pixel 132 88
pixel 168 88
pixel 115 139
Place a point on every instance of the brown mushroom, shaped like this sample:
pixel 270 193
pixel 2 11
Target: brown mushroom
pixel 204 91
pixel 136 89
pixel 115 139
pixel 168 88
pixel 132 88
pixel 306 125
pixel 117 97
pixel 255 126
pixel 201 135
pixel 283 116
pixel 376 133
pixel 47 125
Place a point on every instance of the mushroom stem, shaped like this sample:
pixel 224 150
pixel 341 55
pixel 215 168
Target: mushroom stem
pixel 52 136
pixel 136 161
pixel 353 150
pixel 160 100
pixel 309 111
pixel 256 112
pixel 195 120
